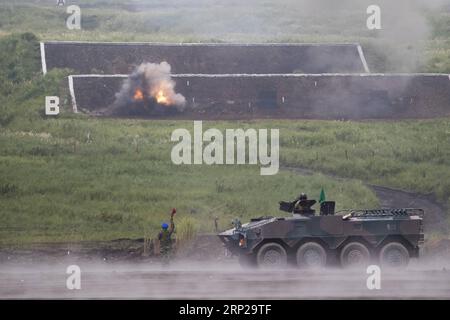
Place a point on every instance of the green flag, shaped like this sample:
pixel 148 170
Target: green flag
pixel 322 196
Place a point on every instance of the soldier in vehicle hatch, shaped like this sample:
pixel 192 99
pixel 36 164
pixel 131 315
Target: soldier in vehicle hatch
pixel 303 206
pixel 165 238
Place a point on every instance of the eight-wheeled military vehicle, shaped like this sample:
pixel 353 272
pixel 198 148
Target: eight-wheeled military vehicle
pixel 388 237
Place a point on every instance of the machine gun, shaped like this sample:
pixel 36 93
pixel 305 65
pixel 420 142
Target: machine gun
pixel 287 206
pixel 298 206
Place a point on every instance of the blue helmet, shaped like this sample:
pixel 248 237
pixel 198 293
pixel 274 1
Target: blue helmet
pixel 164 226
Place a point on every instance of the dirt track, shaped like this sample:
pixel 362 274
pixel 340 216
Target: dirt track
pixel 435 214
pixel 217 281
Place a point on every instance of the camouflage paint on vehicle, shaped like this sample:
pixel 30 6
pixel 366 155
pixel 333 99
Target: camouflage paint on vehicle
pixel 371 229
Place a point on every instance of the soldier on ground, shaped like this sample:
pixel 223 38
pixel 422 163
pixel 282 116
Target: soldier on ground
pixel 165 238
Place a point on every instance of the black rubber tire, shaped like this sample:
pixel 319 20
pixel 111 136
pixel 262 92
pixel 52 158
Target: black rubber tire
pixel 354 254
pixel 271 256
pixel 394 255
pixel 311 255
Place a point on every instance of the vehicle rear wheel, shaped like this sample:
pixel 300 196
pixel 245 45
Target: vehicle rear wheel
pixel 271 255
pixel 311 255
pixel 354 254
pixel 394 255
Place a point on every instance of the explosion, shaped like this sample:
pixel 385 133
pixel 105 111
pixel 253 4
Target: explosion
pixel 161 94
pixel 149 88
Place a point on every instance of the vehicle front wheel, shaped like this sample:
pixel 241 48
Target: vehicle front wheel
pixel 271 256
pixel 311 255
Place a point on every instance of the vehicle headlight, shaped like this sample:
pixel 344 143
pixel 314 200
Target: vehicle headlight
pixel 242 241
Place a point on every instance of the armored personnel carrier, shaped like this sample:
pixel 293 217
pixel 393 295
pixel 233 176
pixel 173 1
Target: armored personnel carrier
pixel 387 237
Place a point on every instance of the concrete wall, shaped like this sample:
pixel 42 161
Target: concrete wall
pixel 121 58
pixel 329 96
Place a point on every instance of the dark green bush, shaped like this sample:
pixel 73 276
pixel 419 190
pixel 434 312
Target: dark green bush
pixel 19 60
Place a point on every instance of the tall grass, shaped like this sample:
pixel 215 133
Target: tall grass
pixel 186 231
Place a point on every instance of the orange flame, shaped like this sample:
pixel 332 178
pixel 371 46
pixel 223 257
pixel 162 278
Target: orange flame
pixel 138 95
pixel 159 93
pixel 161 98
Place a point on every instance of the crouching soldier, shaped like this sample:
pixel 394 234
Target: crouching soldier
pixel 165 239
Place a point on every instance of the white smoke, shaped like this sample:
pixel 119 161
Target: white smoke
pixel 157 78
pixel 148 89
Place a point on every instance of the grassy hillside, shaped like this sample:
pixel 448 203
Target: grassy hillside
pixel 79 178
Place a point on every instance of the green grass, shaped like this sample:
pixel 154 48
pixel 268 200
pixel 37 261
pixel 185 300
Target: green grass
pixel 59 186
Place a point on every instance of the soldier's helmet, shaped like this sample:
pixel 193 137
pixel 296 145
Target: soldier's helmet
pixel 164 226
pixel 303 196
